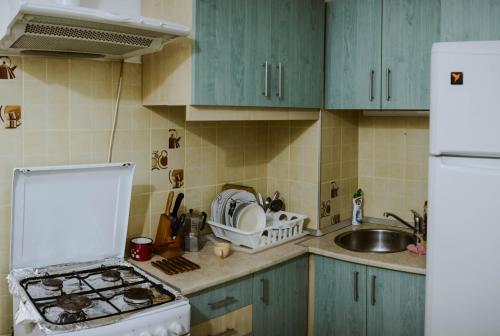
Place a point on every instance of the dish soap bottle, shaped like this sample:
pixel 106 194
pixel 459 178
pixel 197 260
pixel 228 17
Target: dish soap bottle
pixel 357 205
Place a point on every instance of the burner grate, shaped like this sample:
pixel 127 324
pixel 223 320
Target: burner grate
pixel 74 307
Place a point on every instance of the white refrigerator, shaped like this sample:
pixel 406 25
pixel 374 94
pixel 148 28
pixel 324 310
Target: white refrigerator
pixel 463 262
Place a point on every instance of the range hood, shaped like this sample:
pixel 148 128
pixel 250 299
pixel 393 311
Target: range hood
pixel 65 28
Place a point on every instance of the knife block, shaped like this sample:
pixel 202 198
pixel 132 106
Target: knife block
pixel 164 245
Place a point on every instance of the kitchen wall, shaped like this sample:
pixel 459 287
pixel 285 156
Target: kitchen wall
pixel 66 118
pixel 393 157
pixel 66 108
pixel 339 165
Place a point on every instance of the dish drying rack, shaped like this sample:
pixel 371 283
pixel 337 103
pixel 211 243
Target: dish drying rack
pixel 275 233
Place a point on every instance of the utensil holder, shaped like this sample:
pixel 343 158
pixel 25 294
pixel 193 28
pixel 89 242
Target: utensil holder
pixel 170 247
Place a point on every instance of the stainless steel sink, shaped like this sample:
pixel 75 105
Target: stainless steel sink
pixel 375 240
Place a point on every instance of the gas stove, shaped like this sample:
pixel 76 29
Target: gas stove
pixel 97 299
pixel 68 275
pixel 93 294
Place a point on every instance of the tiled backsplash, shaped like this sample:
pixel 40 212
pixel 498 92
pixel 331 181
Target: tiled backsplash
pixel 385 156
pixel 393 157
pixel 339 165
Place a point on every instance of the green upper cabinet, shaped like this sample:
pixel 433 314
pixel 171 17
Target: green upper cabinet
pixel 264 53
pixel 466 20
pixel 280 299
pixel 378 53
pixel 409 29
pixel 340 298
pixel 353 53
pixel 228 52
pixel 302 28
pixel 396 304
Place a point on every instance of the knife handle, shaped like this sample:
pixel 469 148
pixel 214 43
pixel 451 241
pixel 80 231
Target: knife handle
pixel 169 202
pixel 177 204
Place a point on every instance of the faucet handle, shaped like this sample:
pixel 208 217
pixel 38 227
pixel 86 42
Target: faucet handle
pixel 417 220
pixel 415 214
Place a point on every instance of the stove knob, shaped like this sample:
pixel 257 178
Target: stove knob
pixel 176 329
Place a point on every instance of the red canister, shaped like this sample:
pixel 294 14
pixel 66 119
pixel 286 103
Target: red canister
pixel 142 248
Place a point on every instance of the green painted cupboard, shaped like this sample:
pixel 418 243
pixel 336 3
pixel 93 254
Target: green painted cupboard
pixel 278 295
pixel 396 303
pixel 264 53
pixel 466 20
pixel 280 298
pixel 353 54
pixel 340 298
pixel 352 299
pixel 378 53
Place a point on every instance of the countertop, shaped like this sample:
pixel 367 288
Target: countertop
pixel 215 271
pixel 399 261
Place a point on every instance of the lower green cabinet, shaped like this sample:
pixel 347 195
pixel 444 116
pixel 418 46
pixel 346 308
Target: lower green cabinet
pixel 352 299
pixel 280 299
pixel 340 298
pixel 396 303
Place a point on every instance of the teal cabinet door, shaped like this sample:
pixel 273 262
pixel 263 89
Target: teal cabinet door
pixel 409 29
pixel 232 43
pixel 466 20
pixel 396 303
pixel 353 54
pixel 280 299
pixel 259 53
pixel 340 298
pixel 298 48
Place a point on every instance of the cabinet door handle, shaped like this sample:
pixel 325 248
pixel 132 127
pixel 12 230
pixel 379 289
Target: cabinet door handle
pixel 265 291
pixel 227 332
pixel 388 81
pixel 356 286
pixel 266 79
pixel 374 296
pixel 280 80
pixel 372 75
pixel 222 303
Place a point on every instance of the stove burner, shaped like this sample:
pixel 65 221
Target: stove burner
pixel 111 275
pixel 67 317
pixel 137 296
pixel 73 303
pixel 52 284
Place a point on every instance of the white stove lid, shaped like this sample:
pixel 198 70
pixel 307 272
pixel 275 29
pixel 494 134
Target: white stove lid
pixel 69 214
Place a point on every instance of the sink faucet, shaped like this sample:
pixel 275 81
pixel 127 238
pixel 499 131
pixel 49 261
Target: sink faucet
pixel 416 218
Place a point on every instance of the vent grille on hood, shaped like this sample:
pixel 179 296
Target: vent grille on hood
pixel 87 34
pixel 33 42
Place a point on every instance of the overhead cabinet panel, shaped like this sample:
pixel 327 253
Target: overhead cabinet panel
pixel 378 53
pixel 466 20
pixel 230 44
pixel 353 53
pixel 262 53
pixel 306 33
pixel 409 29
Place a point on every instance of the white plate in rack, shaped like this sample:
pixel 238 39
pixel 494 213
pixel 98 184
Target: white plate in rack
pixel 251 218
